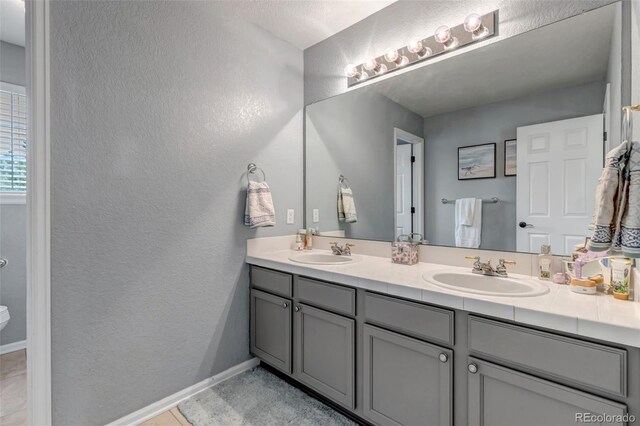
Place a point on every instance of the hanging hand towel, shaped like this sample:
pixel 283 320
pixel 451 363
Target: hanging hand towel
pixel 259 210
pixel 617 215
pixel 468 235
pixel 346 206
pixel 464 211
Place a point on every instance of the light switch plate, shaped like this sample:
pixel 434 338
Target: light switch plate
pixel 316 215
pixel 290 216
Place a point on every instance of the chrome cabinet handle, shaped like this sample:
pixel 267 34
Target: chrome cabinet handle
pixel 3 262
pixel 297 308
pixel 473 368
pixel 285 305
pixel 443 357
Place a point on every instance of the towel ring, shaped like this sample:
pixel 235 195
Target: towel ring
pixel 252 169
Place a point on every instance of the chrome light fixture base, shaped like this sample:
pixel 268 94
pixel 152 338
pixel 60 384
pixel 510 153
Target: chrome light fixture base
pixel 429 48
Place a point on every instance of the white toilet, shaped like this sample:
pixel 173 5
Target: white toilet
pixel 4 316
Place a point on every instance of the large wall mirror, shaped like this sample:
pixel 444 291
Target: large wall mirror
pixel 521 124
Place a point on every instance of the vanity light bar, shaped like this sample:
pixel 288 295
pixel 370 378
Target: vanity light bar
pixel 475 28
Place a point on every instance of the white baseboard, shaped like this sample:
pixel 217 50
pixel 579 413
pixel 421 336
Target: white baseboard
pixel 150 411
pixel 12 347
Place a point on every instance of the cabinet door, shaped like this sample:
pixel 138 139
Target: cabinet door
pixel 406 381
pixel 325 353
pixel 271 329
pixel 501 396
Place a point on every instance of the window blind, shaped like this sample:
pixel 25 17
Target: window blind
pixel 13 139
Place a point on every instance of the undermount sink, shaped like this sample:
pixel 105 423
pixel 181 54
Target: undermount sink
pixel 321 259
pixel 486 285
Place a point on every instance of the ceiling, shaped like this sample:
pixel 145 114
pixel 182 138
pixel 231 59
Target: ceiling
pixel 12 21
pixel 302 23
pixel 563 54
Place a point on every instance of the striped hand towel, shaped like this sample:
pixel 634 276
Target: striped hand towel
pixel 346 206
pixel 259 210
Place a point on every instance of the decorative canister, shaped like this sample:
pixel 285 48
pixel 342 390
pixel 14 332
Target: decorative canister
pixel 405 249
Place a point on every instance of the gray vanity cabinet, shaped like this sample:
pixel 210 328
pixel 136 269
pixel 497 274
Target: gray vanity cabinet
pixel 325 353
pixel 501 396
pixel 405 381
pixel 271 329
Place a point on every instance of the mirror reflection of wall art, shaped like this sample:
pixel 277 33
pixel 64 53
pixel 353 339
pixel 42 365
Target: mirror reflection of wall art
pixel 510 157
pixel 477 162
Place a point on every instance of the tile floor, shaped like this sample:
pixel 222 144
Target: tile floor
pixel 13 388
pixel 172 417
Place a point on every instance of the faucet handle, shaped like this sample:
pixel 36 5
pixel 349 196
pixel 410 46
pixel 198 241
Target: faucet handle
pixel 506 262
pixel 476 258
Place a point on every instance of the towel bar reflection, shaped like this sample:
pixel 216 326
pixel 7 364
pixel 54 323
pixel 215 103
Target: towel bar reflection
pixel 252 169
pixel 492 200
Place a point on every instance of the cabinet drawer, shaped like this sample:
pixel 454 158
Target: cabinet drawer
pixel 426 322
pixel 597 367
pixel 271 281
pixel 333 297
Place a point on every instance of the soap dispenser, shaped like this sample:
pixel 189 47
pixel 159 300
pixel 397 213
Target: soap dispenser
pixel 545 260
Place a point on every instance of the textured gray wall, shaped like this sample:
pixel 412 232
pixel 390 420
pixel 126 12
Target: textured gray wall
pixel 12 64
pixel 352 135
pixel 157 109
pixel 392 26
pixel 13 277
pixel 485 124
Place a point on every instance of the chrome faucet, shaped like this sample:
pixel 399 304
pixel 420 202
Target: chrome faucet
pixel 485 268
pixel 339 250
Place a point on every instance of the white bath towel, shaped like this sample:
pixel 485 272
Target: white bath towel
pixel 468 235
pixel 464 211
pixel 259 210
pixel 346 205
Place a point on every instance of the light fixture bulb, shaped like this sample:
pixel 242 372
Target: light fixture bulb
pixel 415 46
pixel 352 71
pixel 472 22
pixel 443 34
pixel 391 55
pixel 473 25
pixel 374 66
pixel 371 65
pixel 444 37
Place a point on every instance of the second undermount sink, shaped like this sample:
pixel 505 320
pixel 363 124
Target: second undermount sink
pixel 321 259
pixel 485 285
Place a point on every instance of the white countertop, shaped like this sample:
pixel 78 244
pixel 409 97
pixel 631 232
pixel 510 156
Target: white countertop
pixel 597 316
